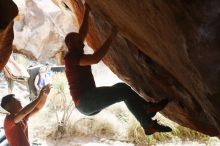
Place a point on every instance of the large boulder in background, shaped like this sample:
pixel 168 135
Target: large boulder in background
pixel 40 29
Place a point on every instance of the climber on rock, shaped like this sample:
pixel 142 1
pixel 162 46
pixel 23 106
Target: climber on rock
pixel 88 98
pixel 15 124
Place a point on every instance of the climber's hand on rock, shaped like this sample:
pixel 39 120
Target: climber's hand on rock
pixel 87 8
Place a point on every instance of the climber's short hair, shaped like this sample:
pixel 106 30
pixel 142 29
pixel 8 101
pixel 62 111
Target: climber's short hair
pixel 6 99
pixel 70 36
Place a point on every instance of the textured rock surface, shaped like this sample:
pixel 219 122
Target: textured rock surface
pixel 168 48
pixel 6 39
pixel 165 48
pixel 8 10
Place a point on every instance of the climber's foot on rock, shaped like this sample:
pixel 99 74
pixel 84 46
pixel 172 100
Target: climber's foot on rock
pixel 156 128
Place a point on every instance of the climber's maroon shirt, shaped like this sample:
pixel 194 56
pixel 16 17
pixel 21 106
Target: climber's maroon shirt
pixel 80 78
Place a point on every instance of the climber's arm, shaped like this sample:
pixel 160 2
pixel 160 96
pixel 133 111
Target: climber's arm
pixel 33 106
pixel 85 24
pixel 89 59
pixel 43 97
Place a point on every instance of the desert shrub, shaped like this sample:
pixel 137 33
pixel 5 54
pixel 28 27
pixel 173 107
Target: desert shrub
pixel 93 126
pixel 136 134
pixel 60 102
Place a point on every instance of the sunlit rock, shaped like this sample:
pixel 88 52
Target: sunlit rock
pixel 40 29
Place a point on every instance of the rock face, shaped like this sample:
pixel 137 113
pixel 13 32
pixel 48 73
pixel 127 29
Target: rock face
pixel 8 10
pixel 6 39
pixel 165 48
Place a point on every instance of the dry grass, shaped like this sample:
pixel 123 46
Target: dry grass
pixel 179 133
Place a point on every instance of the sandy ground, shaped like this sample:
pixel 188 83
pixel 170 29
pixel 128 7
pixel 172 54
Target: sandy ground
pixel 83 141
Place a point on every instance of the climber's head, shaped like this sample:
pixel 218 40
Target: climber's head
pixel 74 41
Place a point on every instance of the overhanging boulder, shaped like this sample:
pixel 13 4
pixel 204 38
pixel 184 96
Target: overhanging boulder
pixel 166 48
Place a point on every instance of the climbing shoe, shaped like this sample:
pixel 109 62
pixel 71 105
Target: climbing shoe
pixel 156 128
